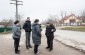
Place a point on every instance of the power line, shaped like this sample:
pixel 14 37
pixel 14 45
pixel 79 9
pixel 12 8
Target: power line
pixel 16 3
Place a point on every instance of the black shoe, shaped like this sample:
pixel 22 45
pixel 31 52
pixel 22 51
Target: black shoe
pixel 30 46
pixel 37 53
pixel 17 52
pixel 27 47
pixel 47 47
pixel 50 49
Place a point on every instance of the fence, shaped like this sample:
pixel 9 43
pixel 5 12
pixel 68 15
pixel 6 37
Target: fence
pixel 3 29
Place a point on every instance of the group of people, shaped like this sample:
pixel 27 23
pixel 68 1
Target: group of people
pixel 36 34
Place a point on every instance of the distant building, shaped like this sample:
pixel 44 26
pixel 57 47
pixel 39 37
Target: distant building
pixel 70 20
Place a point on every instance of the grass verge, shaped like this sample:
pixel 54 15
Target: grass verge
pixel 75 28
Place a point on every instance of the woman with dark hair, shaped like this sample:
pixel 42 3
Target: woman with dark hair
pixel 50 29
pixel 16 35
pixel 36 35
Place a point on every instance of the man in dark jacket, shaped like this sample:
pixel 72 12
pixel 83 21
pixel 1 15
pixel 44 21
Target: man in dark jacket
pixel 36 35
pixel 50 29
pixel 27 28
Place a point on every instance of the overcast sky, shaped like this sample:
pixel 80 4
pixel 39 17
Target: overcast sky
pixel 41 9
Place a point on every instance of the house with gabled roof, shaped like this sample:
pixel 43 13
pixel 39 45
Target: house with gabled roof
pixel 71 20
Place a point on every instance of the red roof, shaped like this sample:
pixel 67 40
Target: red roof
pixel 65 18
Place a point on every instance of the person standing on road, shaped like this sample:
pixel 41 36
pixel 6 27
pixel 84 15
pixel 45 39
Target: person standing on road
pixel 50 29
pixel 27 28
pixel 36 35
pixel 16 35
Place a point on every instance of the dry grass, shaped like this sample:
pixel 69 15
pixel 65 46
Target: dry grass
pixel 75 28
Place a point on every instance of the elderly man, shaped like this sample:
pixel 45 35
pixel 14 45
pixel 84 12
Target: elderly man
pixel 50 29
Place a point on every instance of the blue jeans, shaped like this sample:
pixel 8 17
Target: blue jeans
pixel 27 39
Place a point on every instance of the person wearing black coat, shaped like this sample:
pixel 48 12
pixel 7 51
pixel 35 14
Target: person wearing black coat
pixel 50 29
pixel 27 28
pixel 36 35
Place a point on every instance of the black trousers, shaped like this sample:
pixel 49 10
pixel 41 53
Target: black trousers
pixel 16 43
pixel 36 49
pixel 50 41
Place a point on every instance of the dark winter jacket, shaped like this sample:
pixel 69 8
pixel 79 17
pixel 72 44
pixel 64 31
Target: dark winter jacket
pixel 27 26
pixel 36 34
pixel 49 31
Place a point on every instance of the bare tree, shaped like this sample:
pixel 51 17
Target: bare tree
pixel 7 23
pixel 63 14
pixel 44 22
pixel 57 20
pixel 83 16
pixel 21 16
pixel 52 19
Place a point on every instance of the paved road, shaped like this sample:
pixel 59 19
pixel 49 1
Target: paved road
pixel 6 47
pixel 75 35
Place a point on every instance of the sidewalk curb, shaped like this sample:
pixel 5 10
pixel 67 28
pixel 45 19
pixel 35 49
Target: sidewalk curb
pixel 72 43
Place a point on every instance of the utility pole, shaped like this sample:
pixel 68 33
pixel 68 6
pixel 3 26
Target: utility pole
pixel 16 3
